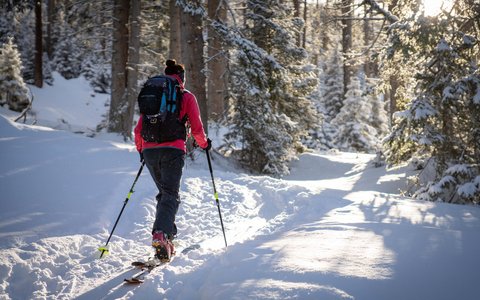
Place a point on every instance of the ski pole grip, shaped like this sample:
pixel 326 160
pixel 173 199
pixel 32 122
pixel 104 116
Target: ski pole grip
pixel 209 162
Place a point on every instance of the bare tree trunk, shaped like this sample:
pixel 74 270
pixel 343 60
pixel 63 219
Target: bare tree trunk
pixel 347 13
pixel 367 39
pixel 38 76
pixel 51 20
pixel 394 82
pixel 324 22
pixel 102 19
pixel 175 32
pixel 305 13
pixel 392 95
pixel 217 64
pixel 476 134
pixel 119 102
pixel 296 14
pixel 447 149
pixel 192 55
pixel 133 62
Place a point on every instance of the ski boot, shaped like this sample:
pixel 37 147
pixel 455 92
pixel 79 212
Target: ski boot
pixel 164 249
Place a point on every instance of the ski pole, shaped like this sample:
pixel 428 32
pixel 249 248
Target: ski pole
pixel 104 249
pixel 215 194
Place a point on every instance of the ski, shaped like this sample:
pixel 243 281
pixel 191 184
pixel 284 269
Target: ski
pixel 190 248
pixel 147 266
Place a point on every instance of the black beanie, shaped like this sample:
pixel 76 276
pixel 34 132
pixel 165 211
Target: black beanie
pixel 172 68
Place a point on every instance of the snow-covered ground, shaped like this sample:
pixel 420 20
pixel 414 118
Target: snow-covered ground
pixel 336 228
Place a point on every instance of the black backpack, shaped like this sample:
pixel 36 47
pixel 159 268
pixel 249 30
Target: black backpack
pixel 160 101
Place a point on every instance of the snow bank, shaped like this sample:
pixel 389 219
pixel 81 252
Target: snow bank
pixel 70 105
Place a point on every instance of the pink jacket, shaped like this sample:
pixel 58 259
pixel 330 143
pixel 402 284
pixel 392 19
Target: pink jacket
pixel 191 110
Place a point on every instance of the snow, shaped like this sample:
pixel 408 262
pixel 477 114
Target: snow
pixel 443 46
pixel 458 169
pixel 476 97
pixel 467 190
pixel 335 228
pixel 56 106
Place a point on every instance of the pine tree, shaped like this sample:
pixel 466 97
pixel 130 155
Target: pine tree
pixel 354 129
pixel 24 36
pixel 378 117
pixel 95 41
pixel 7 24
pixel 271 108
pixel 96 69
pixel 67 56
pixel 13 91
pixel 155 36
pixel 441 124
pixel 324 48
pixel 437 123
pixel 332 97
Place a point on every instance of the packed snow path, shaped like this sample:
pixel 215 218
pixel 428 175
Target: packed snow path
pixel 336 228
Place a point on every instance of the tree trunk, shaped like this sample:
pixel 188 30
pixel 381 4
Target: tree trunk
pixel 119 102
pixel 347 14
pixel 51 20
pixel 192 54
pixel 103 38
pixel 324 16
pixel 133 62
pixel 367 40
pixel 305 13
pixel 392 95
pixel 175 51
pixel 217 64
pixel 446 151
pixel 38 76
pixel 296 14
pixel 394 82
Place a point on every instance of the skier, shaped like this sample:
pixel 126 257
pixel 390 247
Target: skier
pixel 165 161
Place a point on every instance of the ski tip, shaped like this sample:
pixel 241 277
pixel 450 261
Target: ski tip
pixel 149 264
pixel 190 248
pixel 133 281
pixel 138 264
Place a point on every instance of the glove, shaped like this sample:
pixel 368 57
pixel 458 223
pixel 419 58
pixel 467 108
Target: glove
pixel 209 145
pixel 141 156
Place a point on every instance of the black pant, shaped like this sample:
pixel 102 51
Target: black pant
pixel 166 166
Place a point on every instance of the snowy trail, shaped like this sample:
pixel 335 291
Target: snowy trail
pixel 337 238
pixel 371 246
pixel 241 216
pixel 62 261
pixel 336 228
pixel 257 210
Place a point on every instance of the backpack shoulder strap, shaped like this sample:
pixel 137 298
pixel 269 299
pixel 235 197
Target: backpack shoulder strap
pixel 179 99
